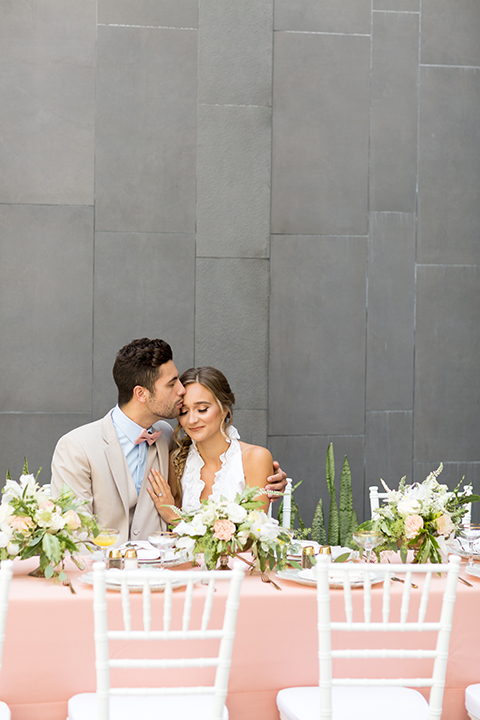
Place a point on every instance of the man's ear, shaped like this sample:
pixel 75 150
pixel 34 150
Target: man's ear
pixel 140 393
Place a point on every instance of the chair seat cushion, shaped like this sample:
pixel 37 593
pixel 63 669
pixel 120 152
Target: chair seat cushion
pixel 144 707
pixel 472 699
pixel 361 703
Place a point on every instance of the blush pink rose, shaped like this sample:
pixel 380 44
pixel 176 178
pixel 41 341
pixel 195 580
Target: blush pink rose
pixel 445 525
pixel 72 520
pixel 47 505
pixel 224 530
pixel 413 523
pixel 22 524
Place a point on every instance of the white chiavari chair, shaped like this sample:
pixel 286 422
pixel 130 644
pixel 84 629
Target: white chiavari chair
pixel 287 505
pixel 178 624
pixel 382 615
pixel 6 571
pixel 375 498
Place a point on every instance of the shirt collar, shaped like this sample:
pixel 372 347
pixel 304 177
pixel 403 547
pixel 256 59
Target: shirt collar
pixel 127 426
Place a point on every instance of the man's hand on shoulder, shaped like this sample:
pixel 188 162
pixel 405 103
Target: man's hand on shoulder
pixel 276 482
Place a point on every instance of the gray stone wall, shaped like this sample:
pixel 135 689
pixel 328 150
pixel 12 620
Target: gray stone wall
pixel 285 189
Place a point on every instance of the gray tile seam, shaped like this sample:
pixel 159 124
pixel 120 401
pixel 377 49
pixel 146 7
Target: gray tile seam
pixel 317 32
pixel 455 67
pixel 231 105
pixel 447 265
pixel 290 234
pixel 45 412
pixel 398 12
pixel 151 27
pixel 325 435
pixel 55 205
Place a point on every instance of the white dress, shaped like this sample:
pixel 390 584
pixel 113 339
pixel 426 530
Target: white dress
pixel 229 480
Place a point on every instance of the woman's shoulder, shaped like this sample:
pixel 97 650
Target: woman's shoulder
pixel 255 453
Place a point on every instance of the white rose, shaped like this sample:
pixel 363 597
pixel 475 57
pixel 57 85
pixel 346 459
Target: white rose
pixel 408 506
pixel 236 513
pixel 208 515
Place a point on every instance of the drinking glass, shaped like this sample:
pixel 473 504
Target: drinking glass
pixel 163 540
pixel 105 538
pixel 470 533
pixel 368 540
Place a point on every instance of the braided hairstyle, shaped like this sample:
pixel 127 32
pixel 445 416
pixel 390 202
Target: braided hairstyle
pixel 217 383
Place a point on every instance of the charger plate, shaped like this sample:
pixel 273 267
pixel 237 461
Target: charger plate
pixel 305 577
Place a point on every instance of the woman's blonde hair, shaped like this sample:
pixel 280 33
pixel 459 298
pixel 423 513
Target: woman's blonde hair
pixel 217 383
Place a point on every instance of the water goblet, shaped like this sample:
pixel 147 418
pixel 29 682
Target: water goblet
pixel 368 540
pixel 470 533
pixel 105 538
pixel 162 540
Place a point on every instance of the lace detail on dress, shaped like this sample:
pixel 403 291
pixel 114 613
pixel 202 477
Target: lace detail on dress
pixel 229 480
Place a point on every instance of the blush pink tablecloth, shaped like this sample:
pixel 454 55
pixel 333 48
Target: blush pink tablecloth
pixel 49 653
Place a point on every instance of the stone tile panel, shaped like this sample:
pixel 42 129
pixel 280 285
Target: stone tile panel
pixel 317 336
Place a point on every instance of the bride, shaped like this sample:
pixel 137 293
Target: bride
pixel 209 461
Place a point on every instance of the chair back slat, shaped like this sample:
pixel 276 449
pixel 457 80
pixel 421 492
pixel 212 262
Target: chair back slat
pixel 183 624
pixel 387 586
pixel 207 608
pixel 393 618
pixel 187 608
pixel 147 607
pixel 167 608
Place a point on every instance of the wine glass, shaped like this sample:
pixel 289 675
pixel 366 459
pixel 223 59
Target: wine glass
pixel 105 538
pixel 470 533
pixel 368 540
pixel 163 540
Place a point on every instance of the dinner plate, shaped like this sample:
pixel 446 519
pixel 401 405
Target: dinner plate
pixel 114 580
pixel 473 571
pixel 305 577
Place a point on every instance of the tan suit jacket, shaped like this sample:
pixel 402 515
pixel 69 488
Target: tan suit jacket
pixel 90 460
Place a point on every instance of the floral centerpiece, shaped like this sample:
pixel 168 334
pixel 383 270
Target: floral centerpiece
pixel 31 523
pixel 421 516
pixel 220 528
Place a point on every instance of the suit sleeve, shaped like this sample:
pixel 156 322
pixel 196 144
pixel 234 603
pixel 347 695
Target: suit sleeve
pixel 70 466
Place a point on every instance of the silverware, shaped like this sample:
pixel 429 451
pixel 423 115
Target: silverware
pixel 397 579
pixel 465 582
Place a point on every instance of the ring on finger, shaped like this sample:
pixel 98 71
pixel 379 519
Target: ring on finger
pixel 159 494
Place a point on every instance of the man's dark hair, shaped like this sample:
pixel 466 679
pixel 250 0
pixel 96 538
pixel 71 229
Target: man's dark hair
pixel 138 363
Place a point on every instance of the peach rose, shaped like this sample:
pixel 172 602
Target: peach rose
pixel 72 520
pixel 224 530
pixel 445 525
pixel 22 524
pixel 413 523
pixel 47 505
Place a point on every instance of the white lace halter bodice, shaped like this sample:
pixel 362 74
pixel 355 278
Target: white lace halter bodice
pixel 229 480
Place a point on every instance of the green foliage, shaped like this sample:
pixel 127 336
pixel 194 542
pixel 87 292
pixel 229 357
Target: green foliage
pixel 341 523
pixel 319 533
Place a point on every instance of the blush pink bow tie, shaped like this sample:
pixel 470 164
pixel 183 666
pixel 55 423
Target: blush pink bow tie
pixel 149 437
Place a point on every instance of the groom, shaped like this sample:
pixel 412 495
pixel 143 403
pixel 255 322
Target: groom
pixel 107 462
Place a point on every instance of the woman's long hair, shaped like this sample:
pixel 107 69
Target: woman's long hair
pixel 217 383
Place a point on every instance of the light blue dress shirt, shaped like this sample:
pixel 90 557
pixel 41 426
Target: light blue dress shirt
pixel 127 432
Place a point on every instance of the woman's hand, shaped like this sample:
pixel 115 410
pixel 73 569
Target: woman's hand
pixel 161 495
